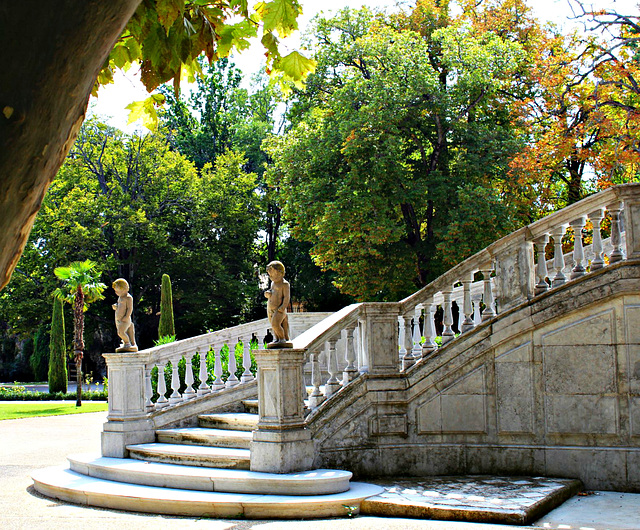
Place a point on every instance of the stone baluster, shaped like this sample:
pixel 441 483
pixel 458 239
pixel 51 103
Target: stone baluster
pixel 541 269
pixel 148 389
pixel 616 239
pixel 261 339
pixel 316 397
pixel 558 257
pixel 402 349
pixel 488 312
pixel 247 376
pixel 189 392
pixel 363 358
pixel 447 332
pixel 232 366
pixel 578 249
pixel 333 384
pixel 467 307
pixel 350 372
pixel 218 384
pixel 162 401
pixel 477 316
pixel 596 218
pixel 429 346
pixel 417 333
pixel 175 396
pixel 203 375
pixel 407 339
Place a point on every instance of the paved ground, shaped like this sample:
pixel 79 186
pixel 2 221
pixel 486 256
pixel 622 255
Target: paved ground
pixel 30 444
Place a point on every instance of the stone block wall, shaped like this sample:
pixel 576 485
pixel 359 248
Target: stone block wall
pixel 551 387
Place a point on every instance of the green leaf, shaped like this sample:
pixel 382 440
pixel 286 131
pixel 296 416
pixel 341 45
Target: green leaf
pixel 168 11
pixel 145 110
pixel 296 66
pixel 279 15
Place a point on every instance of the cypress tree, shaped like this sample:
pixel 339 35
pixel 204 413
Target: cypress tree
pixel 166 326
pixel 57 350
pixel 39 361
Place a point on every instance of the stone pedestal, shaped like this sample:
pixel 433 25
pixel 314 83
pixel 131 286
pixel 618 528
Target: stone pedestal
pixel 281 444
pixel 127 421
pixel 380 336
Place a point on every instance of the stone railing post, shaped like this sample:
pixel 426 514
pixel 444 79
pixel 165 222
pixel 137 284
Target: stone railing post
pixel 381 336
pixel 281 444
pixel 515 274
pixel 632 225
pixel 127 420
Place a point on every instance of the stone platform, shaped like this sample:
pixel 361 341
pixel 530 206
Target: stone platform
pixel 486 499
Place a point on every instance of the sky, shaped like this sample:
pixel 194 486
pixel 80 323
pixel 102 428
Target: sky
pixel 113 99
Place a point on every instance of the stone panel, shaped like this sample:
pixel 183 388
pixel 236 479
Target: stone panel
pixel 634 414
pixel 389 424
pixel 430 417
pixel 588 369
pixel 473 383
pixel 581 414
pixel 463 413
pixel 597 468
pixel 596 329
pixel 632 323
pixel 633 470
pixel 514 388
pixel 633 351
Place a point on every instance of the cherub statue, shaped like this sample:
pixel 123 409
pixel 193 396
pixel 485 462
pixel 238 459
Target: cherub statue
pixel 124 309
pixel 278 296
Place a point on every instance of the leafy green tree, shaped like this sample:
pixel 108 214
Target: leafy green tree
pixel 81 288
pixel 400 118
pixel 166 326
pixel 39 361
pixel 57 350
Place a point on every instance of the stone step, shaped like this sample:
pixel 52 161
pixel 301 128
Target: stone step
pixel 317 482
pixel 250 405
pixel 235 421
pixel 205 436
pixel 67 485
pixel 192 455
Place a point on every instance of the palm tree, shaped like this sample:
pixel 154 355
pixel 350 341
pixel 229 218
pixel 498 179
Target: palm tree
pixel 81 287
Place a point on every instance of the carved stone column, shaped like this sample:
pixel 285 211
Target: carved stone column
pixel 127 421
pixel 381 336
pixel 281 444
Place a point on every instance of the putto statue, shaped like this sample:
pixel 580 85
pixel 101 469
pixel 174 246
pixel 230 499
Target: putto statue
pixel 124 309
pixel 278 296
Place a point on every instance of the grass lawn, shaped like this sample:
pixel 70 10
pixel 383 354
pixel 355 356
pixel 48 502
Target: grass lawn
pixel 11 410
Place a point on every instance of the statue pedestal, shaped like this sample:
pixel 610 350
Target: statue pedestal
pixel 281 444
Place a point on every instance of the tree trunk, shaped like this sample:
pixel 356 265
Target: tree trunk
pixel 78 340
pixel 51 55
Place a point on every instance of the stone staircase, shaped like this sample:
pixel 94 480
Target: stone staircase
pixel 203 471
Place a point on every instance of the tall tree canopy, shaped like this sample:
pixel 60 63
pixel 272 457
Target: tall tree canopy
pixel 402 131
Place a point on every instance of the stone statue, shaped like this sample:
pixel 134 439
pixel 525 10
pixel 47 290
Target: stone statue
pixel 278 296
pixel 124 310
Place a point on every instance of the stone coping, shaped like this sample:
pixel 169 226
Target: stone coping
pixel 473 498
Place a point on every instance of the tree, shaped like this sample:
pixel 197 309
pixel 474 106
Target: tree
pixel 400 120
pixel 57 350
pixel 81 288
pixel 166 327
pixel 44 94
pixel 39 361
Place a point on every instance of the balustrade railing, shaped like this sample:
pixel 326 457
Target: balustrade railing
pixel 517 268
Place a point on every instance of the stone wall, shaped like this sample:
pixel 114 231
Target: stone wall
pixel 551 387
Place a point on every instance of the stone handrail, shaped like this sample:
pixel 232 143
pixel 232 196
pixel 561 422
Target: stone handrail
pixel 509 276
pixel 131 393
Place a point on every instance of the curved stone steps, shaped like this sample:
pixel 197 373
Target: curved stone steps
pixel 237 421
pixel 317 482
pixel 67 485
pixel 192 455
pixel 205 436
